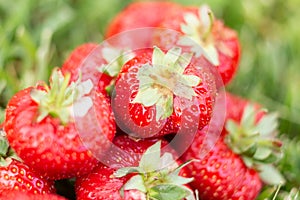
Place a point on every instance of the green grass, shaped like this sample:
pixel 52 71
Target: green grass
pixel 37 35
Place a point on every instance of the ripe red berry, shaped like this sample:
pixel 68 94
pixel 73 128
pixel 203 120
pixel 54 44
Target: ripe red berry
pixel 47 126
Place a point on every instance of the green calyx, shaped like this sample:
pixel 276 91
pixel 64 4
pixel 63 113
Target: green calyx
pixel 115 59
pixel 197 30
pixel 257 143
pixel 62 99
pixel 6 152
pixel 163 78
pixel 157 177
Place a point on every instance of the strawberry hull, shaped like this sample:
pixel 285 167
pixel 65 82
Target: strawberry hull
pixel 223 40
pixel 141 120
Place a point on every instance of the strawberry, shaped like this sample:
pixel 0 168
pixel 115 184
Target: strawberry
pixel 76 58
pixel 235 107
pixel 47 125
pixel 203 35
pixel 238 165
pixel 139 173
pixel 157 94
pixel 139 15
pixel 15 175
pixel 13 195
pixel 98 63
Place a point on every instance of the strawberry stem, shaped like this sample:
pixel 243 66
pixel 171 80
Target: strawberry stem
pixel 62 90
pixel 208 32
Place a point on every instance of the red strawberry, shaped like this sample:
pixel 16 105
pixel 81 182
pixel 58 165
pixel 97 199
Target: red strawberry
pixel 99 63
pixel 236 105
pixel 221 174
pixel 236 167
pixel 100 184
pixel 15 175
pixel 16 195
pixel 139 15
pixel 158 94
pixel 144 174
pixel 48 125
pixel 76 58
pixel 204 35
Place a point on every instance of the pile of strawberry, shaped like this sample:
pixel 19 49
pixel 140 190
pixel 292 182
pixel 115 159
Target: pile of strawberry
pixel 141 124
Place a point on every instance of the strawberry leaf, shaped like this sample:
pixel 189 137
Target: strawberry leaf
pixel 135 183
pixel 150 160
pixel 115 59
pixel 6 152
pixel 168 192
pixel 270 175
pixel 3 144
pixel 166 160
pixel 177 170
pixel 127 170
pixel 178 180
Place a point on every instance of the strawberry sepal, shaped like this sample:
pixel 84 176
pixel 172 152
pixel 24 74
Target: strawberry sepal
pixel 62 97
pixel 256 143
pixel 157 176
pixel 6 152
pixel 163 78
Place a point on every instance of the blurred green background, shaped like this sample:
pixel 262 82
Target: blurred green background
pixel 37 35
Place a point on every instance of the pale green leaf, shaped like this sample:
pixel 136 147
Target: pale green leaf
pixel 179 180
pixel 158 56
pixel 147 96
pixel 150 160
pixel 37 95
pixel 167 160
pixel 164 107
pixel 183 61
pixel 177 170
pixel 191 80
pixel 268 125
pixel 270 175
pixel 135 183
pixel 211 53
pixel 192 20
pixel 232 127
pixel 262 153
pixel 172 56
pixel 248 117
pixel 168 192
pixel 3 145
pixel 127 170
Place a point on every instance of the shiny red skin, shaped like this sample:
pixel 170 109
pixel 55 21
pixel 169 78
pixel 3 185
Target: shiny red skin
pixel 76 65
pixel 139 15
pixel 220 33
pixel 221 174
pixel 18 176
pixel 54 150
pixel 140 120
pixel 101 185
pixel 235 106
pixel 18 195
